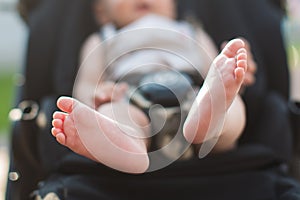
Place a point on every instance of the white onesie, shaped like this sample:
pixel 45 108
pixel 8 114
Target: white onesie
pixel 150 44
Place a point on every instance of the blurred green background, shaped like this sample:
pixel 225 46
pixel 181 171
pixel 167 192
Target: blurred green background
pixel 7 93
pixel 13 35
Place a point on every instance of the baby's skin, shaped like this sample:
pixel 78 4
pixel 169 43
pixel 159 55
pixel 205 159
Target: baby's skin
pixel 120 145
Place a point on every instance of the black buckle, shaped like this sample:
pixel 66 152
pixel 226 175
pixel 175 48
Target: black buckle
pixel 294 107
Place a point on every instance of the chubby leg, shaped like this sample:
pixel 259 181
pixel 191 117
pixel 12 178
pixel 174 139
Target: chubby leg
pixel 218 111
pixel 100 138
pixel 235 120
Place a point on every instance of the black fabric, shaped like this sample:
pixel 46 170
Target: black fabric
pixel 57 29
pixel 23 160
pixel 273 128
pixel 295 120
pixel 248 173
pixel 294 107
pixel 261 185
pixel 255 170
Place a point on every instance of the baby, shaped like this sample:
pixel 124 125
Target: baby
pixel 121 142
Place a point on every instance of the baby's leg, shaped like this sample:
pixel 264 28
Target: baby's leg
pixel 218 110
pixel 100 138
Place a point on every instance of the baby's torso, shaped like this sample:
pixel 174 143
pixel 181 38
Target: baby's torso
pixel 152 45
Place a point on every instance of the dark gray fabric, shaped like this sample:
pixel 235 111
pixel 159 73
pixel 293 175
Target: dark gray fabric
pixel 57 29
pixel 248 173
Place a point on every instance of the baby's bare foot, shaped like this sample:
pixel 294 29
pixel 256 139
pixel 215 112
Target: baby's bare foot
pixel 90 134
pixel 219 90
pixel 65 131
pixel 229 67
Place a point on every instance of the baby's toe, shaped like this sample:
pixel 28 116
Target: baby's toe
pixel 242 50
pixel 55 131
pixel 57 123
pixel 232 47
pixel 61 138
pixel 59 115
pixel 242 64
pixel 241 56
pixel 66 104
pixel 239 75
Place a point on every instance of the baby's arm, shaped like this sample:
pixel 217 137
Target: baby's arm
pixel 91 71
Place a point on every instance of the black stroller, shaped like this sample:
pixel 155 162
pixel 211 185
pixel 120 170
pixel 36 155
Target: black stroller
pixel 258 169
